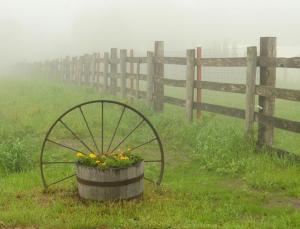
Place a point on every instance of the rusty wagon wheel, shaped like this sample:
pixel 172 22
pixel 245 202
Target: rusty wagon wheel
pixel 99 126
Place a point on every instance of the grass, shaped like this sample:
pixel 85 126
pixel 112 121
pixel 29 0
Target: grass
pixel 213 177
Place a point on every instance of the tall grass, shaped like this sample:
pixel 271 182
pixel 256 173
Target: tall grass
pixel 14 156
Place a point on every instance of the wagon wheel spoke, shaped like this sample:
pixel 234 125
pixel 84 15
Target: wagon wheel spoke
pixel 64 146
pixel 147 161
pixel 124 139
pixel 143 144
pixel 150 180
pixel 116 129
pixel 73 133
pixel 88 127
pixel 65 178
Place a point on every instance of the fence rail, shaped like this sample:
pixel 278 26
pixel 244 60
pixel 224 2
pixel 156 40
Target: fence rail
pixel 89 69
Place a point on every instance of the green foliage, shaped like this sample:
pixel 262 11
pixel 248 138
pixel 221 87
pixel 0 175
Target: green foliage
pixel 106 161
pixel 14 156
pixel 222 148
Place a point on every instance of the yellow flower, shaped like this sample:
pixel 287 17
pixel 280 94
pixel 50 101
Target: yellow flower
pixel 123 158
pixel 79 154
pixel 92 155
pixel 98 162
pixel 129 149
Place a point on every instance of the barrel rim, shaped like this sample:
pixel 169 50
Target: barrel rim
pixel 109 169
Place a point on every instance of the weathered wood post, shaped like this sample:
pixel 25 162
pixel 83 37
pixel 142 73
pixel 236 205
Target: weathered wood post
pixel 106 71
pixel 93 70
pixel 190 77
pixel 58 69
pixel 113 70
pixel 66 69
pixel 89 67
pixel 267 78
pixel 85 69
pixel 158 76
pixel 131 70
pixel 100 73
pixel 80 70
pixel 150 74
pixel 61 68
pixel 88 74
pixel 137 80
pixel 66 72
pixel 97 71
pixel 73 69
pixel 250 90
pixel 69 69
pixel 123 69
pixel 199 77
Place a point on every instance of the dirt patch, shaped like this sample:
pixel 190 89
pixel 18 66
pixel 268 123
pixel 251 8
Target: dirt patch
pixel 233 183
pixel 4 226
pixel 284 202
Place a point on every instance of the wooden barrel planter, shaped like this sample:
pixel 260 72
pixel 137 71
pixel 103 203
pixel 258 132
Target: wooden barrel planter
pixel 111 184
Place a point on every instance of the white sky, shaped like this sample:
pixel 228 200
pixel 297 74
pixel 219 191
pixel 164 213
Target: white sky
pixel 38 29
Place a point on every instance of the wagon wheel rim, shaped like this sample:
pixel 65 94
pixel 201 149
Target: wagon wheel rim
pixel 111 148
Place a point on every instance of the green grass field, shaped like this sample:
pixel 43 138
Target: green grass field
pixel 213 176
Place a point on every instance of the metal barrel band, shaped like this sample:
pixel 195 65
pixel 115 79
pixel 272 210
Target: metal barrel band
pixel 110 183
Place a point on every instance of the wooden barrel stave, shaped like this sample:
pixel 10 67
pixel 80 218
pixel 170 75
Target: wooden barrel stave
pixel 111 184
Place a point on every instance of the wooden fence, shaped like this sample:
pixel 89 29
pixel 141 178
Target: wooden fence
pixel 87 70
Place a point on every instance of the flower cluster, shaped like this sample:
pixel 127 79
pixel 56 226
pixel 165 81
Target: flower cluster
pixel 120 159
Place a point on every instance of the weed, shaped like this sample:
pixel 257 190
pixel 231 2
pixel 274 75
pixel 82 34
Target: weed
pixel 14 156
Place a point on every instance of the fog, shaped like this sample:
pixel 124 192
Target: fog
pixel 35 30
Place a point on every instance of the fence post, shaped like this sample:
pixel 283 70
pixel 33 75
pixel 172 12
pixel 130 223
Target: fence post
pixel 66 77
pixel 73 69
pixel 137 80
pixel 131 70
pixel 69 68
pixel 158 76
pixel 250 90
pixel 113 70
pixel 85 69
pixel 89 69
pixel 60 70
pixel 97 71
pixel 92 62
pixel 267 78
pixel 190 76
pixel 105 71
pixel 150 73
pixel 199 77
pixel 77 70
pixel 123 64
pixel 80 70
